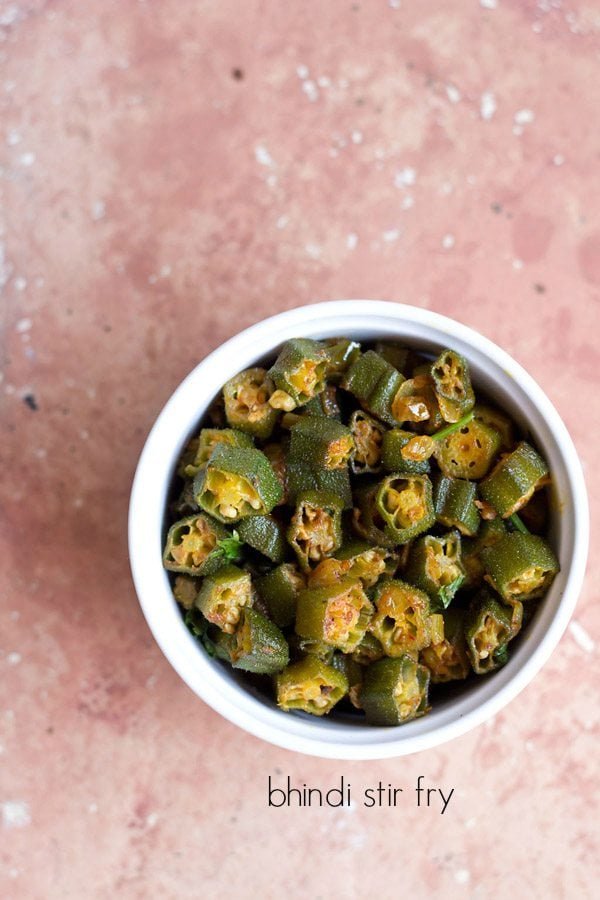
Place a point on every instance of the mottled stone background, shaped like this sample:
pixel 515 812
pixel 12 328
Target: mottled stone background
pixel 170 172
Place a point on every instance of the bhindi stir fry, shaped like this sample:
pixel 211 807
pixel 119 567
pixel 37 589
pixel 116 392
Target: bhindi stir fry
pixel 355 526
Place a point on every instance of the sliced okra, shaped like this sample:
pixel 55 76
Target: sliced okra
pixel 394 691
pixel 447 658
pixel 392 458
pixel 452 382
pixel 320 443
pixel 279 589
pixel 237 482
pixel 258 645
pixel 204 445
pixel 368 435
pixel 265 534
pixel 520 566
pixel 488 629
pixel 454 501
pixel 374 383
pixel 512 482
pixel 469 452
pixel 247 406
pixel 191 543
pixel 223 596
pixel 435 566
pixel 402 618
pixel 336 614
pixel 299 373
pixel 310 685
pixel 315 529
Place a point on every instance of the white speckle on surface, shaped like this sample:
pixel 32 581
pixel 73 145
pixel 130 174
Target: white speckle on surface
pixel 524 116
pixel 41 452
pixel 13 137
pixel 13 659
pixel 518 130
pixel 405 177
pixel 489 4
pixel 282 221
pixel 151 681
pixel 453 93
pixel 356 136
pixel 271 180
pixel 392 234
pixel 93 808
pixel 407 202
pixel 517 263
pixel 84 434
pixel 15 814
pixel 15 615
pixel 98 210
pixel 471 179
pixel 23 325
pixel 462 876
pixel 558 159
pixel 9 15
pixel 448 241
pixel 165 271
pixel 20 283
pixel 13 872
pixel 27 159
pixel 313 250
pixel 351 240
pixel 151 819
pixel 581 637
pixel 471 822
pixel 394 4
pixel 302 71
pixel 263 156
pixel 311 90
pixel 446 188
pixel 152 279
pixel 487 105
pixel 10 389
pixel 323 81
pixel 78 502
pixel 537 27
pixel 529 746
pixel 5 266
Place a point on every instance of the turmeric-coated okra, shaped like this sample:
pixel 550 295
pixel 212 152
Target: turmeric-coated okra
pixel 247 407
pixel 514 479
pixel 236 482
pixel 379 519
pixel 336 614
pixel 310 685
pixel 394 691
pixel 520 566
pixel 258 645
pixel 435 566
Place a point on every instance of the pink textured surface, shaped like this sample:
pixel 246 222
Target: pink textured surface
pixel 155 202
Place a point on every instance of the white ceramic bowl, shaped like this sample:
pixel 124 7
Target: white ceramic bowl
pixel 494 372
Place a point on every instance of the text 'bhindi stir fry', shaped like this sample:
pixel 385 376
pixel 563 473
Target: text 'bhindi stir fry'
pixel 354 526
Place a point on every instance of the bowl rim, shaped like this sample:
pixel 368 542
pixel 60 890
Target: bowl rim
pixel 205 677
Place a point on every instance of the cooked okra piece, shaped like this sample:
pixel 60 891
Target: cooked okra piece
pixel 191 543
pixel 299 373
pixel 223 596
pixel 340 353
pixel 185 590
pixel 415 401
pixel 435 566
pixel 495 419
pixel 447 659
pixel 279 589
pixel 405 504
pixel 488 629
pixel 368 435
pixel 489 534
pixel 315 529
pixel 204 445
pixel 392 459
pixel 454 501
pixel 402 618
pixel 514 479
pixel 258 645
pixel 450 373
pixel 302 478
pixel 367 521
pixel 265 534
pixel 394 691
pixel 310 685
pixel 520 566
pixel 247 406
pixel 355 560
pixel 353 672
pixel 469 452
pixel 276 454
pixel 336 614
pixel 369 650
pixel 396 354
pixel 324 404
pixel 237 482
pixel 320 443
pixel 374 383
pixel 217 643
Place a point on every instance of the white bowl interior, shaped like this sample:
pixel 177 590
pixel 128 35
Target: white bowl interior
pixel 494 373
